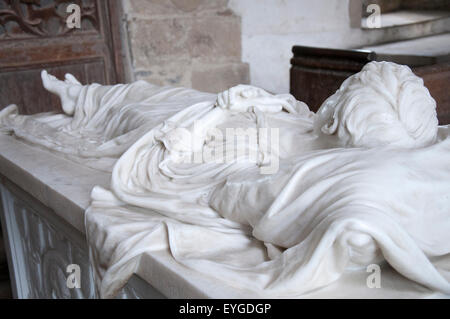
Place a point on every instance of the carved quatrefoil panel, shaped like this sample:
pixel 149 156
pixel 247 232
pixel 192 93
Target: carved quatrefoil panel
pixel 44 18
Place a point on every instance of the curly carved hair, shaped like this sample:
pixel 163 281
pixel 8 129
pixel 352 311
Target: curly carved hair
pixel 384 104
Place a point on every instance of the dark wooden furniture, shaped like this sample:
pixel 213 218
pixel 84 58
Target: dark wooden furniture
pixel 317 73
pixel 34 36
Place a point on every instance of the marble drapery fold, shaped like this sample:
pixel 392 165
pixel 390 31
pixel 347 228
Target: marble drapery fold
pixel 104 121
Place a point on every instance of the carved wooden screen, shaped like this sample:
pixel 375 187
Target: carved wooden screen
pixel 34 36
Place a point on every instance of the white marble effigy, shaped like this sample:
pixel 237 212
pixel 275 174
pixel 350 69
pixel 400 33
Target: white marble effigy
pixel 307 205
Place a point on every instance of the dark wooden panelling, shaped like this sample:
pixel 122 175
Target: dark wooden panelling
pixel 24 87
pixel 34 36
pixel 437 80
pixel 27 19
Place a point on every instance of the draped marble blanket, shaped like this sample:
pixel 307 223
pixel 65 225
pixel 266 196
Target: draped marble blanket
pixel 364 181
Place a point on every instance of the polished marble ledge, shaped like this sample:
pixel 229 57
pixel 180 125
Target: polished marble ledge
pixel 58 183
pixel 65 186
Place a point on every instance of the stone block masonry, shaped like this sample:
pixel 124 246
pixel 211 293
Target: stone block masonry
pixel 191 43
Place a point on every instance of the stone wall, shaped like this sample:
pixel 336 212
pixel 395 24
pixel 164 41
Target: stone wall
pixel 191 43
pixel 206 44
pixel 270 28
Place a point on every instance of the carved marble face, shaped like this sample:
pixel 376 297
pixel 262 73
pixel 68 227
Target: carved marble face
pixel 384 104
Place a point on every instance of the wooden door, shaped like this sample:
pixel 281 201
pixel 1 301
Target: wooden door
pixel 34 35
